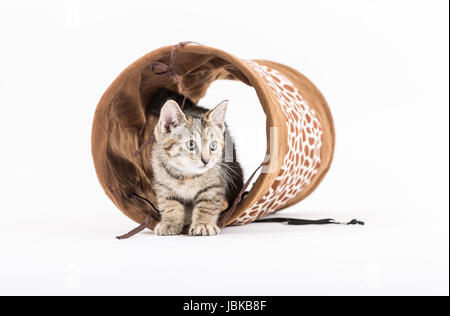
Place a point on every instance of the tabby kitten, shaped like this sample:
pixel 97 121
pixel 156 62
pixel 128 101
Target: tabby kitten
pixel 195 173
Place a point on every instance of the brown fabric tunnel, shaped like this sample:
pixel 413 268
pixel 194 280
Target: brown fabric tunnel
pixel 300 131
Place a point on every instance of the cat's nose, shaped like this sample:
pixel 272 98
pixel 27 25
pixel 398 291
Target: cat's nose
pixel 205 161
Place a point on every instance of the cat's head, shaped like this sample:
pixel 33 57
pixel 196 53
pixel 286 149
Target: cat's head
pixel 192 143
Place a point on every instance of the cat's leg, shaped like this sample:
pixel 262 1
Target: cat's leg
pixel 172 217
pixel 208 206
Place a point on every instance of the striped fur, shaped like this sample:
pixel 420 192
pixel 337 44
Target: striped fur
pixel 193 185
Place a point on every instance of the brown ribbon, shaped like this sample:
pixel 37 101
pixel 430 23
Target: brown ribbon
pixel 153 212
pixel 227 213
pixel 168 69
pixel 160 68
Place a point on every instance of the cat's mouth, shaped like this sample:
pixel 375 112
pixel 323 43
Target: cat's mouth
pixel 204 168
pixel 192 170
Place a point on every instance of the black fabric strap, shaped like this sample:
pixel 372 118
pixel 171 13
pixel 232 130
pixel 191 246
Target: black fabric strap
pixel 298 221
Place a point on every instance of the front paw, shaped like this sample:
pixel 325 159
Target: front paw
pixel 168 229
pixel 203 229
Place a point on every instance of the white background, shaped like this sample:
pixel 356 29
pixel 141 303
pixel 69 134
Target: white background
pixel 383 67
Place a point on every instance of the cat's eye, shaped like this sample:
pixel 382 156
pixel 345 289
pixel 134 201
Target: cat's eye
pixel 191 145
pixel 213 145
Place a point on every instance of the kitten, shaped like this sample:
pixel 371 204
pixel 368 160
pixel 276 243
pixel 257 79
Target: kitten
pixel 193 177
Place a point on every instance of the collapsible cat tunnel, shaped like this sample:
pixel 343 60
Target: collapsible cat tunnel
pixel 299 125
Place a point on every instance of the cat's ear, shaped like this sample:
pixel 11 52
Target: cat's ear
pixel 217 115
pixel 171 116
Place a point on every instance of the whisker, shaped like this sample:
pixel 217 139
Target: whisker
pixel 226 176
pixel 229 168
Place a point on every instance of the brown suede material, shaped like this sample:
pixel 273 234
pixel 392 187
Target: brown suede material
pixel 121 124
